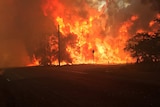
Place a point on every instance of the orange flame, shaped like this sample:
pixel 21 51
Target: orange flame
pixel 94 41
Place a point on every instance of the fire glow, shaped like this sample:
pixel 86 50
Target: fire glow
pixel 89 32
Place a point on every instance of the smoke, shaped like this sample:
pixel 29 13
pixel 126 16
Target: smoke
pixel 23 23
pixel 121 10
pixel 11 52
pixel 155 4
pixel 21 26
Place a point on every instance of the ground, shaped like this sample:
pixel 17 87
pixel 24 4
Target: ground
pixel 80 86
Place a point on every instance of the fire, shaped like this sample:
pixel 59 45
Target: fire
pixel 153 24
pixel 34 62
pixel 158 15
pixel 94 42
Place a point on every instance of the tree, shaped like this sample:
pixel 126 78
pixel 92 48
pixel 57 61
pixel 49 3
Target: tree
pixel 43 52
pixel 145 47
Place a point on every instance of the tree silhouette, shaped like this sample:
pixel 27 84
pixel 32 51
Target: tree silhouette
pixel 43 52
pixel 145 47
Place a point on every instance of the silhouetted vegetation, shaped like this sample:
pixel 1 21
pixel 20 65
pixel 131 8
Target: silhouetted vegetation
pixel 145 47
pixel 43 52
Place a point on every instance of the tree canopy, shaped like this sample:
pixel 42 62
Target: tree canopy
pixel 145 47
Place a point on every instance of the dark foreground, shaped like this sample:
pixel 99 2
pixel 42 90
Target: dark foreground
pixel 79 86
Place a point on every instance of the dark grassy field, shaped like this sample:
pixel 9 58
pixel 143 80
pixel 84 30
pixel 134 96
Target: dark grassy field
pixel 81 86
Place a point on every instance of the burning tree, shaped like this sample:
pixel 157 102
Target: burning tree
pixel 43 52
pixel 145 46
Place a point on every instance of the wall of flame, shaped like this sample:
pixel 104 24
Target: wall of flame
pixel 89 26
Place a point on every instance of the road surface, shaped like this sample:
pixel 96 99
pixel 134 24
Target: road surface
pixel 74 86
